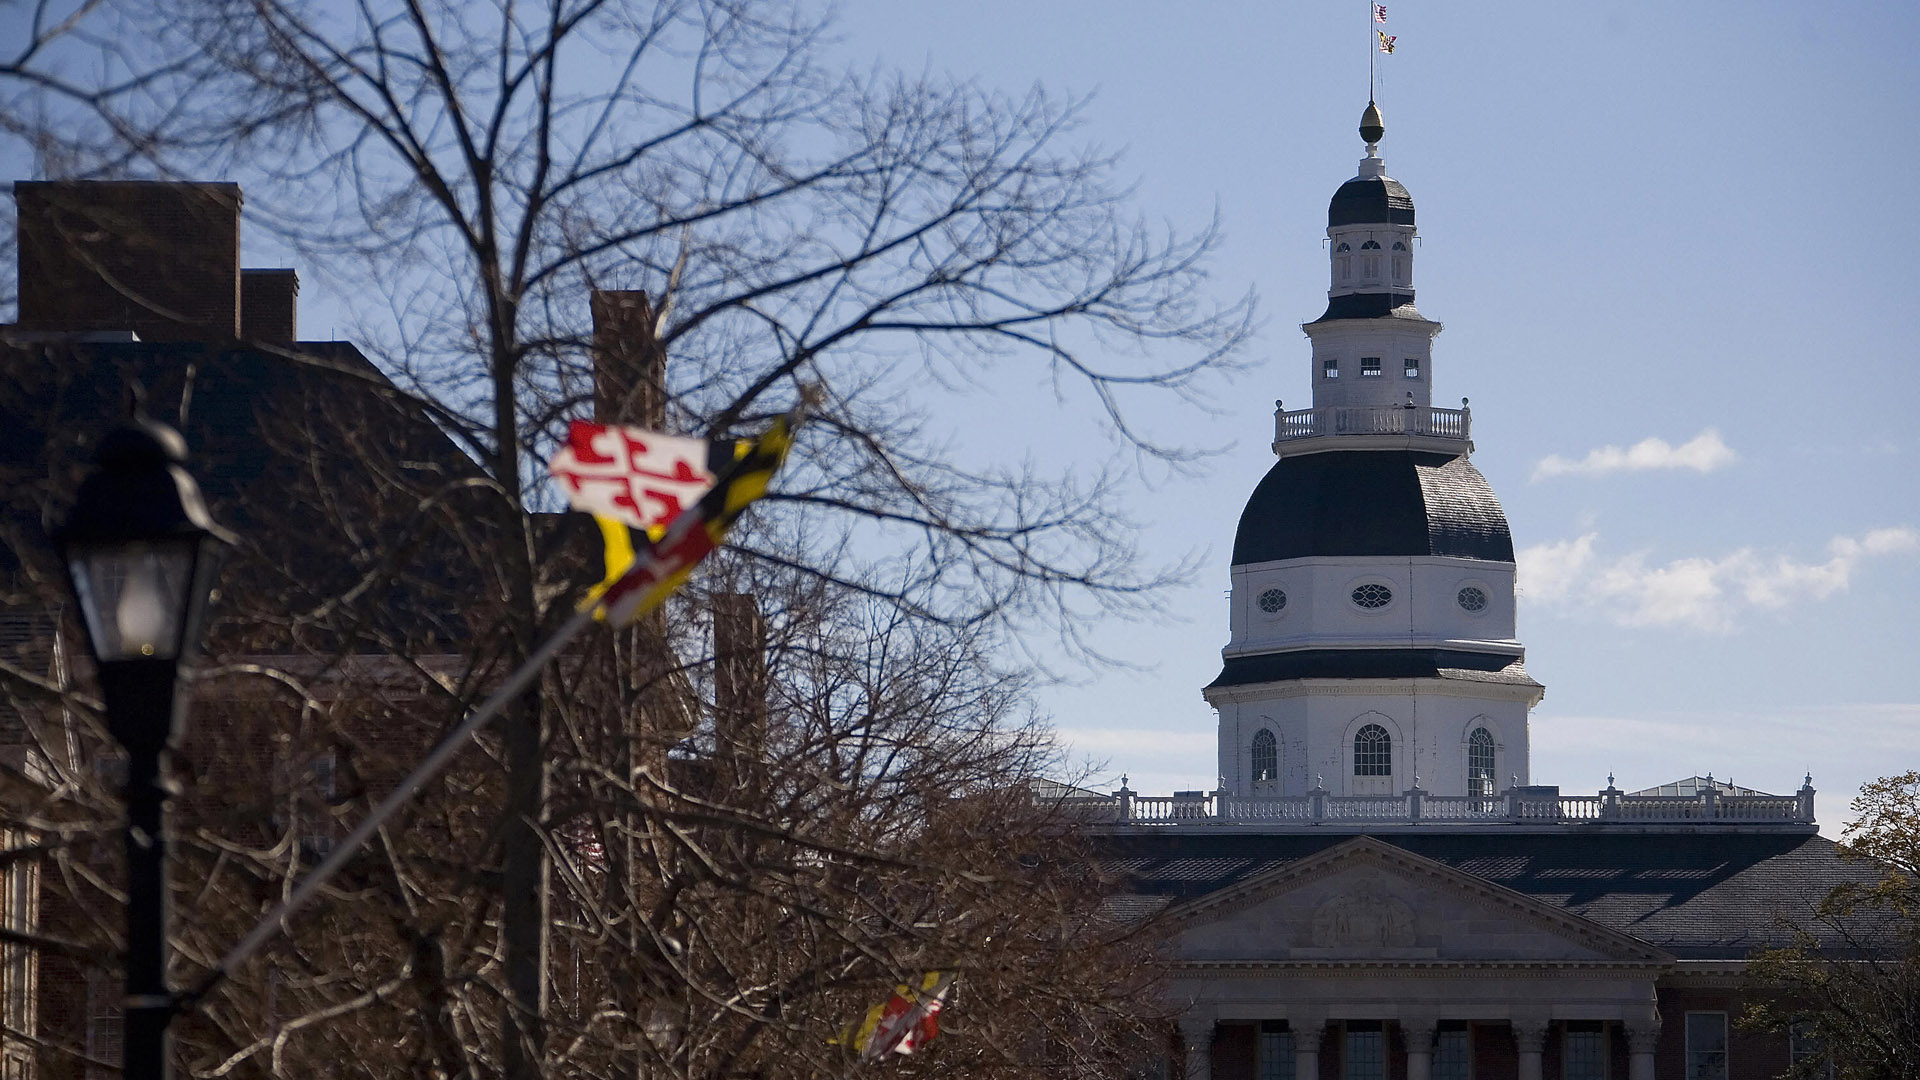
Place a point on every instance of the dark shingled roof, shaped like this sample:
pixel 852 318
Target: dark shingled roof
pixel 1702 895
pixel 1375 664
pixel 1373 502
pixel 1369 305
pixel 1367 200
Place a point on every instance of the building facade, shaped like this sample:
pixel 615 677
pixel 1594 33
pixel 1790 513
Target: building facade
pixel 1376 889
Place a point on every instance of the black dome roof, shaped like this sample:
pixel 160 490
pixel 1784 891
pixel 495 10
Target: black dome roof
pixel 1370 200
pixel 1373 502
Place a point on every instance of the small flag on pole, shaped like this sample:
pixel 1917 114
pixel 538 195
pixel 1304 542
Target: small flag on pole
pixel 1380 13
pixel 694 534
pixel 904 1022
pixel 631 475
pixel 1386 41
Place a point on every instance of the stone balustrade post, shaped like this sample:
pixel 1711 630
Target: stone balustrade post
pixel 1530 1039
pixel 1643 1038
pixel 1307 1032
pixel 1418 1032
pixel 1196 1035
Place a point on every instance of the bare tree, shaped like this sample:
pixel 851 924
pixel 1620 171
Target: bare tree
pixel 905 244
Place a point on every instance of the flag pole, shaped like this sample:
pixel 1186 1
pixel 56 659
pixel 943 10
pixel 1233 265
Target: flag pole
pixel 1371 50
pixel 455 741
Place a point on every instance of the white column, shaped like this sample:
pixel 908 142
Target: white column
pixel 1306 1046
pixel 1530 1037
pixel 1418 1031
pixel 1642 1039
pixel 1196 1033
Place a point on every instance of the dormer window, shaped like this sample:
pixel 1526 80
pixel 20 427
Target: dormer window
pixel 1330 369
pixel 1413 367
pixel 1369 367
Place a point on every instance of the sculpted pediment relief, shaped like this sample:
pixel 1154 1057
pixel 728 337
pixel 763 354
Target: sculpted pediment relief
pixel 1368 901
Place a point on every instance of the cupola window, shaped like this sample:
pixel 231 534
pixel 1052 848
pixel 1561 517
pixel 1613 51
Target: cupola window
pixel 1330 368
pixel 1266 757
pixel 1372 596
pixel 1372 751
pixel 1398 246
pixel 1369 367
pixel 1480 763
pixel 1343 247
pixel 1273 601
pixel 1413 367
pixel 1370 263
pixel 1472 598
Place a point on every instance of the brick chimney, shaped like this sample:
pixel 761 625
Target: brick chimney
pixel 161 259
pixel 269 302
pixel 629 367
pixel 739 689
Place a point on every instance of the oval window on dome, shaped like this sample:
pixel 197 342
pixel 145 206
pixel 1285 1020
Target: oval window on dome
pixel 1273 601
pixel 1372 596
pixel 1472 598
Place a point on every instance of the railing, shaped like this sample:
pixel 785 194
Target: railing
pixel 1372 420
pixel 1520 805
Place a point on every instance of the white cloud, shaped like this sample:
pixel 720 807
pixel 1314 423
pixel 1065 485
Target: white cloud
pixel 1697 593
pixel 1703 453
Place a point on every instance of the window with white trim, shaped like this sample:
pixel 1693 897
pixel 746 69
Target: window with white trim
pixel 104 1027
pixel 1266 756
pixel 1706 1046
pixel 1412 367
pixel 1583 1050
pixel 1452 1052
pixel 1480 762
pixel 1369 367
pixel 1275 1052
pixel 1366 1056
pixel 1372 751
pixel 1330 369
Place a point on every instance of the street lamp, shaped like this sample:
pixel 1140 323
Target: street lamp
pixel 139 550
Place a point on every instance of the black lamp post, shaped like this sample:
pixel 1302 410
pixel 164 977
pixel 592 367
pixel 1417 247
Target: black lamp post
pixel 139 550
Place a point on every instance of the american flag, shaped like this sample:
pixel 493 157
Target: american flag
pixel 1380 13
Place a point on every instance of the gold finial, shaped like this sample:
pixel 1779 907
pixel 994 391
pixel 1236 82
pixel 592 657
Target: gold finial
pixel 1371 126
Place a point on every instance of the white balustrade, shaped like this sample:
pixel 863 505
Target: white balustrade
pixel 1528 806
pixel 1372 420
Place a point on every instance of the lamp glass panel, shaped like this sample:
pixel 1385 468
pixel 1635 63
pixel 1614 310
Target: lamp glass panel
pixel 134 597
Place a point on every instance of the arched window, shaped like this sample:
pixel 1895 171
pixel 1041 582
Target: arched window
pixel 1480 763
pixel 1343 247
pixel 1372 751
pixel 1266 758
pixel 1371 245
pixel 1398 246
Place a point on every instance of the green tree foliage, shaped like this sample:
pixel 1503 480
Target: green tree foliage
pixel 1848 988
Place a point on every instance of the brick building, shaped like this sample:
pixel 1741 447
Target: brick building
pixel 307 450
pixel 1376 888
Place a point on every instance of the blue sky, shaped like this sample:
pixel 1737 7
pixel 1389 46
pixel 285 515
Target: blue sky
pixel 1666 241
pixel 1654 221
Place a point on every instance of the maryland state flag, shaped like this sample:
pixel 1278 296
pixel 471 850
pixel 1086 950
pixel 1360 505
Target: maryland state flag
pixel 695 533
pixel 904 1022
pixel 627 477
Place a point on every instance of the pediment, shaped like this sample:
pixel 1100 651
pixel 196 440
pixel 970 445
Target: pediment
pixel 1366 900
